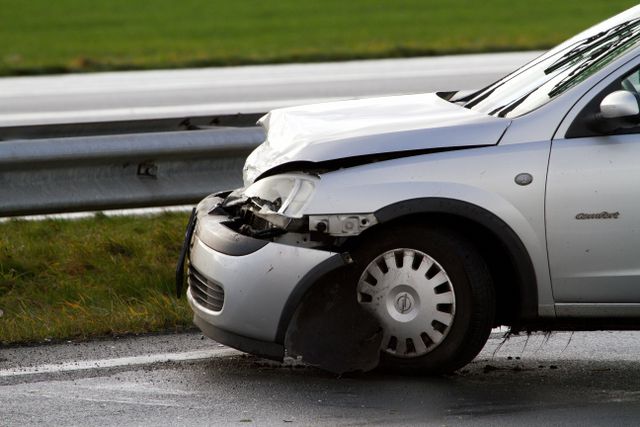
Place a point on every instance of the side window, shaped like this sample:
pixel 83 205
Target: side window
pixel 632 81
pixel 587 123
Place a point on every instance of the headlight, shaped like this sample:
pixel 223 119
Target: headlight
pixel 286 194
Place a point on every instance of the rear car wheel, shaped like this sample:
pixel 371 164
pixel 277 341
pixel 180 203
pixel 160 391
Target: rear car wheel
pixel 431 293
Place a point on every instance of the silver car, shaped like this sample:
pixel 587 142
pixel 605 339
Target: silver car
pixel 398 231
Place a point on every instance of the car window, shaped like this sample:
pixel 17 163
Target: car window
pixel 581 126
pixel 632 82
pixel 562 68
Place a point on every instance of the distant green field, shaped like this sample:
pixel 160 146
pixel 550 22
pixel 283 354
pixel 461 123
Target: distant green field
pixel 44 36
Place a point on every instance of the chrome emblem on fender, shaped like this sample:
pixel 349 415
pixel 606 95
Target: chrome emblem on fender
pixel 601 215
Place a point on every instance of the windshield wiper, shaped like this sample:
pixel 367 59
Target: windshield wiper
pixel 594 42
pixel 597 58
pixel 481 97
pixel 503 110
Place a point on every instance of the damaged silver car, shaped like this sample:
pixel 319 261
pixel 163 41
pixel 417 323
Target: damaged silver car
pixel 398 231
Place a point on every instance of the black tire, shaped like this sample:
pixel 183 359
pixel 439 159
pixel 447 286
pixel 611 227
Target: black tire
pixel 470 279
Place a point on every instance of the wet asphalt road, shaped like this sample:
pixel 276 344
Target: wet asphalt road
pixel 562 379
pixel 228 90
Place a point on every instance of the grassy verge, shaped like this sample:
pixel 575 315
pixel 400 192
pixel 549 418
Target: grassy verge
pixel 90 277
pixel 42 36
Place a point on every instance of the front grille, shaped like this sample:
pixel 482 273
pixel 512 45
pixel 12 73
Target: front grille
pixel 208 294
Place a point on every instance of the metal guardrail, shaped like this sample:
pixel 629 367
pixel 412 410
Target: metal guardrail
pixel 122 127
pixel 81 173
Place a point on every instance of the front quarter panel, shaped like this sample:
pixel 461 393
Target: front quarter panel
pixel 484 177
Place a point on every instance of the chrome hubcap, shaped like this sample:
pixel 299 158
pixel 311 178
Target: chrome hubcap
pixel 412 297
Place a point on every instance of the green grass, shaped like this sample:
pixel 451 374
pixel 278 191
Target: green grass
pixel 43 36
pixel 90 277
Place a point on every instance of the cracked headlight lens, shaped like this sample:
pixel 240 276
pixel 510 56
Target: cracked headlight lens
pixel 284 194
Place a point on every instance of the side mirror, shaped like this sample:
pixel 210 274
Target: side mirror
pixel 619 104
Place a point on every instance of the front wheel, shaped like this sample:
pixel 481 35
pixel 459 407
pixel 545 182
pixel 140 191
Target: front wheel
pixel 432 295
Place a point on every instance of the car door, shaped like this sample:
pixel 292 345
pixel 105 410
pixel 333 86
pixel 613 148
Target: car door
pixel 593 213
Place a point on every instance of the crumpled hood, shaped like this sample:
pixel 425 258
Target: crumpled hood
pixel 343 129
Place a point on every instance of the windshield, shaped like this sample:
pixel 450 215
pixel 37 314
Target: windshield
pixel 559 70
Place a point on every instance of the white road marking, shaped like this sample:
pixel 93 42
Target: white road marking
pixel 83 365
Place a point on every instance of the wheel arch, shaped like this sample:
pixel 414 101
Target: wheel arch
pixel 515 280
pixel 516 292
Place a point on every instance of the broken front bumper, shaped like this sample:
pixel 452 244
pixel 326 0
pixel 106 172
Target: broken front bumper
pixel 244 291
